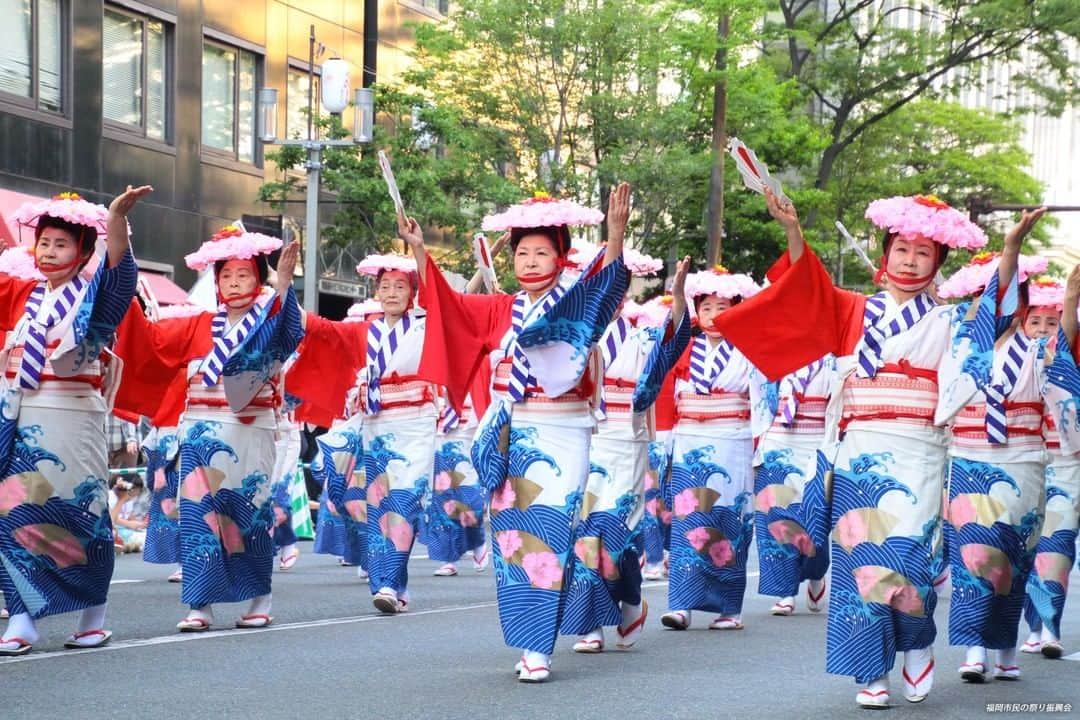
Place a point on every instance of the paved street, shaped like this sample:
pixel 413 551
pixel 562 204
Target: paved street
pixel 329 654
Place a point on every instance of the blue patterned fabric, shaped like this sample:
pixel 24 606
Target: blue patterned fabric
pixel 990 560
pixel 787 554
pixel 339 467
pixel 656 524
pixel 662 359
pixel 281 504
pixel 453 521
pixel 162 545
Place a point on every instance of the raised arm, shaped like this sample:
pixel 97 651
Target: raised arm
pixel 477 280
pixel 409 231
pixel 618 215
pixel 784 212
pixel 678 291
pixel 117 227
pixel 1013 240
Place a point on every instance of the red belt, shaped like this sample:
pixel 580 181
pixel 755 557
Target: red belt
pixel 94 381
pixel 619 383
pixel 270 402
pixel 904 367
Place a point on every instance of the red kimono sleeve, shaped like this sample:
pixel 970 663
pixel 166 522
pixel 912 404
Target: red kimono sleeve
pixel 173 403
pixel 153 355
pixel 796 320
pixel 461 330
pixel 665 404
pixel 330 355
pixel 13 295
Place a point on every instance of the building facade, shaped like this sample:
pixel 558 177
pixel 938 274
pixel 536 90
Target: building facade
pixel 97 95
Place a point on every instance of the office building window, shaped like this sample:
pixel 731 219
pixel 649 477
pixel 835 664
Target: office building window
pixel 33 38
pixel 135 64
pixel 229 79
pixel 296 101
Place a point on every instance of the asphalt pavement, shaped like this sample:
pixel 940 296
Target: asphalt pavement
pixel 329 654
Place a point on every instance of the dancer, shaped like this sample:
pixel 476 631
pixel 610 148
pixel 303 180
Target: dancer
pixel 1055 553
pixel 232 359
pixel 531 449
pixel 56 538
pixel 339 469
pixel 996 471
pixel 394 406
pixel 786 554
pixel 711 486
pixel 887 471
pixel 605 587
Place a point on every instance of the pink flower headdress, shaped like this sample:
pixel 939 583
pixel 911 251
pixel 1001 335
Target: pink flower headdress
pixel 65 206
pixel 18 262
pixel 653 312
pixel 929 217
pixel 1046 292
pixel 720 282
pixel 638 263
pixel 358 312
pixel 372 265
pixel 231 243
pixel 974 276
pixel 542 210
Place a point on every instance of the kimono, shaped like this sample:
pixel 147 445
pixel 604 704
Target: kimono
pixel 531 450
pixel 226 435
pixel 161 445
pixel 786 553
pixel 710 492
pixel 608 540
pixel 996 475
pixel 1055 551
pixel 397 431
pixel 656 523
pixel 287 455
pixel 339 467
pixel 56 536
pixel 877 483
pixel 453 521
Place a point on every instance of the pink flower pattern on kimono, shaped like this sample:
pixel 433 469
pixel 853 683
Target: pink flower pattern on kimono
pixel 685 503
pixel 543 569
pixel 400 534
pixel 159 480
pixel 449 507
pixel 503 498
pixel 168 508
pixel 1049 566
pixel 665 517
pixel 851 529
pixel 12 494
pixel 357 509
pixel 376 492
pixel 331 507
pixel 962 511
pixel 697 537
pixel 721 554
pixel 651 507
pixel 279 516
pixel 442 481
pixel 509 542
pixel 232 541
pixel 467 518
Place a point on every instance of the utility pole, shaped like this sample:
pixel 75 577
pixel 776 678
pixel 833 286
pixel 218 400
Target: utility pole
pixel 715 230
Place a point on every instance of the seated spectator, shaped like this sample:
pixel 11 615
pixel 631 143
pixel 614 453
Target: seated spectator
pixel 129 504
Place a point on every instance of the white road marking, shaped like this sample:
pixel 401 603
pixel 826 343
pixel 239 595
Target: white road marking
pixel 213 634
pixel 125 582
pixel 1075 656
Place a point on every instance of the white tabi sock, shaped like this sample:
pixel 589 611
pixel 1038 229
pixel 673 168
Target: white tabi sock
pixel 630 613
pixel 206 612
pixel 92 618
pixel 1007 658
pixel 22 626
pixel 976 654
pixel 259 605
pixel 1045 636
pixel 536 660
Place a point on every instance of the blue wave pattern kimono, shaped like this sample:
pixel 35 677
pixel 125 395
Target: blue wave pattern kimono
pixel 56 537
pixel 339 466
pixel 656 523
pixel 710 492
pixel 608 539
pixel 162 545
pixel 995 491
pixel 784 458
pixel 287 455
pixel 1055 552
pixel 226 463
pixel 453 521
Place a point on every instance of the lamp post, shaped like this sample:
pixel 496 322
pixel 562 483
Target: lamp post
pixel 335 97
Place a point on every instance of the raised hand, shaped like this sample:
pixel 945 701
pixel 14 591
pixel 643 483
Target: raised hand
pixel 1015 237
pixel 409 231
pixel 122 203
pixel 784 212
pixel 618 215
pixel 1068 315
pixel 678 290
pixel 286 267
pixel 499 244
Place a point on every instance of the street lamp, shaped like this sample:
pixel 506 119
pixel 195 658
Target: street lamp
pixel 335 95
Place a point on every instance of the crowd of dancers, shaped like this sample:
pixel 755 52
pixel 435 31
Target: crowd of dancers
pixel 874 447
